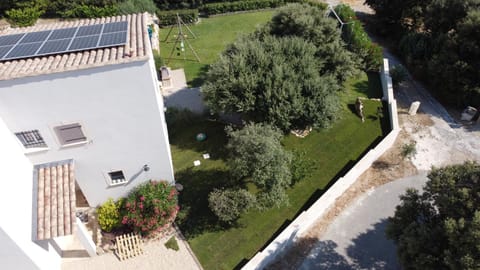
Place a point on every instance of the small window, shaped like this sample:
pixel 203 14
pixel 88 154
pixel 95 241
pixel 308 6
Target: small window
pixel 70 134
pixel 117 177
pixel 31 139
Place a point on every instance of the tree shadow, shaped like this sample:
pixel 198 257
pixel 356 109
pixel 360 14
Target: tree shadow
pixel 324 256
pixel 193 200
pixel 372 250
pixel 183 131
pixel 372 88
pixel 200 79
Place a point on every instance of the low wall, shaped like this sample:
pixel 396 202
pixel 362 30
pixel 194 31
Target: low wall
pixel 306 219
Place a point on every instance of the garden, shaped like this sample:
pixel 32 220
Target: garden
pixel 259 176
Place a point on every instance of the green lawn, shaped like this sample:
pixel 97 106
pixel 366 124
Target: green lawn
pixel 213 35
pixel 334 150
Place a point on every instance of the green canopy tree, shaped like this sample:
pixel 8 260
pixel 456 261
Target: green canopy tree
pixel 310 23
pixel 440 229
pixel 273 80
pixel 257 156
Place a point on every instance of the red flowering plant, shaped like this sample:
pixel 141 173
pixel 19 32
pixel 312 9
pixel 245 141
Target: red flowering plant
pixel 150 208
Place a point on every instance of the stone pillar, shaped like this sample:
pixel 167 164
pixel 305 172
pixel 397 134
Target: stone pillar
pixel 414 108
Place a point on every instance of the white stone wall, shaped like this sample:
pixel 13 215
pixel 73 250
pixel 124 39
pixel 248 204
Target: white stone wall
pixel 121 110
pixel 306 219
pixel 17 250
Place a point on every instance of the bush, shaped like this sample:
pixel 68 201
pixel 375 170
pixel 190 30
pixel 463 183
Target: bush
pixel 25 16
pixel 172 244
pixel 409 150
pixel 229 204
pixel 225 7
pixel 357 39
pixel 167 18
pixel 109 215
pixel 89 11
pixel 150 207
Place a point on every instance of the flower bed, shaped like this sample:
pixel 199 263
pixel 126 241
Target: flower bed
pixel 148 210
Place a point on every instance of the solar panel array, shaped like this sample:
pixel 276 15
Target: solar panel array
pixel 64 40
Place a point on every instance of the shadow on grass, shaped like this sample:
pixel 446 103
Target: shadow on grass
pixel 372 88
pixel 184 127
pixel 193 200
pixel 202 75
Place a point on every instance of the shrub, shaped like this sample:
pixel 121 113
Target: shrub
pixel 357 39
pixel 167 18
pixel 109 215
pixel 225 7
pixel 150 207
pixel 229 204
pixel 409 150
pixel 25 16
pixel 172 244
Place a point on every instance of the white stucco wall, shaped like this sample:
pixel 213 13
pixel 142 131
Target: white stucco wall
pixel 121 110
pixel 17 250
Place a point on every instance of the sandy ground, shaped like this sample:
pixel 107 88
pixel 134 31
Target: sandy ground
pixel 156 257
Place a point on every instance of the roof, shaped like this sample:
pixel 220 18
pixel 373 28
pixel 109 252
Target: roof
pixel 55 199
pixel 137 48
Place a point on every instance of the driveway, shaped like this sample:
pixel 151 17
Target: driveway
pixel 356 238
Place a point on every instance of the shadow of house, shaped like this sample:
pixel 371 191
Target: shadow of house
pixel 186 98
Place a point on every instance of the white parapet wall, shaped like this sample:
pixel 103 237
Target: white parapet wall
pixel 306 219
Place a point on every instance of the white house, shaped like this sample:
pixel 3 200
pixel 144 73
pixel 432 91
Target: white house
pixel 75 111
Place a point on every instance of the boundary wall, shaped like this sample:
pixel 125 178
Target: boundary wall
pixel 307 218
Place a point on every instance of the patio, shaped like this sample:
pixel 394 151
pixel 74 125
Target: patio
pixel 155 257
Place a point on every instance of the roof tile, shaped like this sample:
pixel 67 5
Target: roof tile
pixel 55 199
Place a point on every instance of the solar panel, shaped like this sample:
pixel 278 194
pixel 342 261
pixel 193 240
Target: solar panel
pixel 63 33
pixel 63 40
pixel 22 50
pixel 115 27
pixel 111 39
pixel 35 37
pixel 82 43
pixel 54 46
pixel 89 30
pixel 4 50
pixel 10 39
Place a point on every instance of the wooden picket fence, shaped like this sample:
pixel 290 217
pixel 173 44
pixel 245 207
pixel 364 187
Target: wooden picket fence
pixel 128 246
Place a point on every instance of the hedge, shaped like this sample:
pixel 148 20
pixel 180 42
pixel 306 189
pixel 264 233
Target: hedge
pixel 357 39
pixel 225 7
pixel 169 17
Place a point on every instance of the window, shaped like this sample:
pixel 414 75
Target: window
pixel 31 139
pixel 70 134
pixel 117 177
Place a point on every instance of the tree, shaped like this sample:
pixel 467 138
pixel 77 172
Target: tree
pixel 440 229
pixel 136 6
pixel 273 80
pixel 257 156
pixel 310 23
pixel 229 204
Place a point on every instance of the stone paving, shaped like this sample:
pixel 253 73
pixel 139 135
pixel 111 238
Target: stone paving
pixel 155 257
